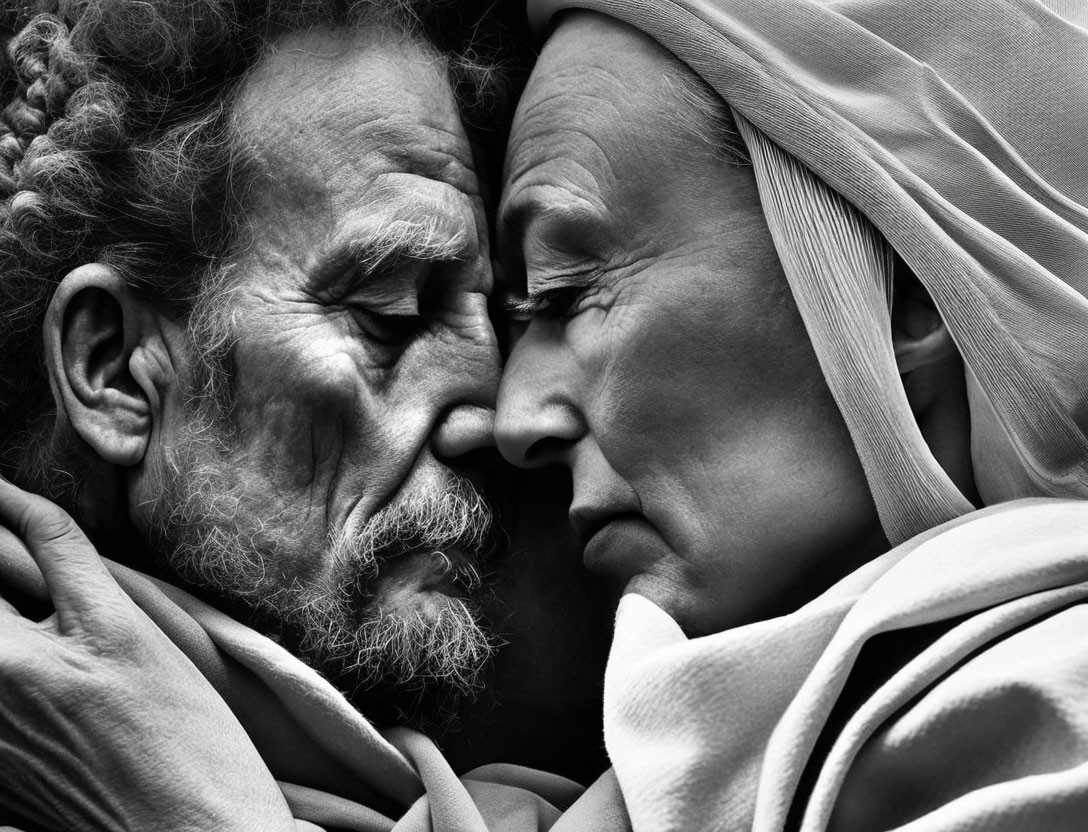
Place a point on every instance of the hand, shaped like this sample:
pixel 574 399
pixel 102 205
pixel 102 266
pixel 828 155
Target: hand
pixel 104 723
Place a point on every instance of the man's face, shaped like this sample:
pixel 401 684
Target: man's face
pixel 364 367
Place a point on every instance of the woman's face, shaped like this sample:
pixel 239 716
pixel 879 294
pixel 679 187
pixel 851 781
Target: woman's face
pixel 665 362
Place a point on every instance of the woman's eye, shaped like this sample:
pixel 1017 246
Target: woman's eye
pixel 560 302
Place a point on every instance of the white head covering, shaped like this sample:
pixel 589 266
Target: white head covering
pixel 960 130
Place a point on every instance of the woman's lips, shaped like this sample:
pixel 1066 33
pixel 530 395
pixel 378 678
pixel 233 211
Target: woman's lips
pixel 620 545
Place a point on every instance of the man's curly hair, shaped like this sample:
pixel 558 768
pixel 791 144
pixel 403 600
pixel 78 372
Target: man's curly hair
pixel 116 147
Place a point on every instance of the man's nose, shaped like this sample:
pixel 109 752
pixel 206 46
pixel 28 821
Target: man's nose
pixel 464 429
pixel 467 370
pixel 538 421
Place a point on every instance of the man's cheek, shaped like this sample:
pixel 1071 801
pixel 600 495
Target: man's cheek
pixel 447 367
pixel 297 427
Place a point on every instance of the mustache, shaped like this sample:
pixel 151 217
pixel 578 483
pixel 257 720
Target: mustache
pixel 451 519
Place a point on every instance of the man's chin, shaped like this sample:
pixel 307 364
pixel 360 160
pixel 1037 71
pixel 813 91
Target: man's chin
pixel 409 645
pixel 394 611
pixel 420 660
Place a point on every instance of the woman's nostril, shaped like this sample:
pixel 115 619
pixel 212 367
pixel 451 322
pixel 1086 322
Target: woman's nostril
pixel 546 449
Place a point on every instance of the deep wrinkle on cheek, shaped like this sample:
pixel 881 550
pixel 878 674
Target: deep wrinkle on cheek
pixel 285 440
pixel 305 440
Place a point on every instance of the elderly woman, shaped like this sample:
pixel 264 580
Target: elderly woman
pixel 784 387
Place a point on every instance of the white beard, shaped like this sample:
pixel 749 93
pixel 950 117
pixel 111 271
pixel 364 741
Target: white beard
pixel 218 537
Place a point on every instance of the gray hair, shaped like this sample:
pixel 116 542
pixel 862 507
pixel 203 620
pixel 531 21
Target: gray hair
pixel 706 117
pixel 117 146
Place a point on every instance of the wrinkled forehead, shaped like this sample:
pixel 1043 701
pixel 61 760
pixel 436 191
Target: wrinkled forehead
pixel 328 103
pixel 601 97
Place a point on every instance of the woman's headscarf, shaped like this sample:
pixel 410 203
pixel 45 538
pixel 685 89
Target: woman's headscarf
pixel 959 129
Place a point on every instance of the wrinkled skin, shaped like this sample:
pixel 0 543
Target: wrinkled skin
pixel 353 386
pixel 665 364
pixel 119 695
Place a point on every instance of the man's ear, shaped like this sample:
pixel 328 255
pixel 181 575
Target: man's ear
pixel 107 361
pixel 919 334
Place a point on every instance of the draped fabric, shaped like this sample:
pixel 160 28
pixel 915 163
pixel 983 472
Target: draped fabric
pixel 981 723
pixel 840 272
pixel 958 129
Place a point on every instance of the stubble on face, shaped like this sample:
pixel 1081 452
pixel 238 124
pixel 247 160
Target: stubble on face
pixel 395 614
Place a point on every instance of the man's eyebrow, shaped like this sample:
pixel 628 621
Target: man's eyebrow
pixel 388 241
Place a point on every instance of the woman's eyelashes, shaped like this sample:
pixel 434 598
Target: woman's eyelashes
pixel 553 302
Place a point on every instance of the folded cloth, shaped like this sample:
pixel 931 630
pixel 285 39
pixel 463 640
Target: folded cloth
pixel 978 722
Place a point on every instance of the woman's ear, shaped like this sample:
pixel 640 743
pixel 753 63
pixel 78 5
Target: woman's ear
pixel 933 378
pixel 107 361
pixel 919 334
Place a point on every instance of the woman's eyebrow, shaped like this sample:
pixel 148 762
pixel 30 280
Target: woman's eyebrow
pixel 516 219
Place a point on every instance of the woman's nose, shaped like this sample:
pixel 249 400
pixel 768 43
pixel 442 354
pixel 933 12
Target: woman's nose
pixel 538 420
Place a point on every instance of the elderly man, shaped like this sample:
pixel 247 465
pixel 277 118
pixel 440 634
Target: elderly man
pixel 254 239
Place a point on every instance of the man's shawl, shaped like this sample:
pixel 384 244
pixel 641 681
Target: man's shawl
pixel 335 768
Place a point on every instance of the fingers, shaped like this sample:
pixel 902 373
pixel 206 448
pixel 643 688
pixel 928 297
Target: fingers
pixel 74 574
pixel 19 575
pixel 18 571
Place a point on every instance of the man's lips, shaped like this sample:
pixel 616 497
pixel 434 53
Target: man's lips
pixel 426 570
